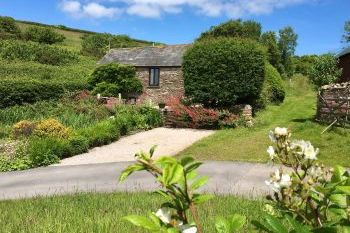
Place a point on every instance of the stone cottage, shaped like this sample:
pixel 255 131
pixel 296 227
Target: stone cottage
pixel 158 68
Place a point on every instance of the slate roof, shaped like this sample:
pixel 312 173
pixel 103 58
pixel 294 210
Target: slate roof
pixel 170 56
pixel 344 52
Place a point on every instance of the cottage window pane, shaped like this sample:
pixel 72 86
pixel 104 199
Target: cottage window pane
pixel 154 77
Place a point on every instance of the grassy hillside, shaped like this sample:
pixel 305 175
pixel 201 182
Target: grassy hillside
pixel 73 35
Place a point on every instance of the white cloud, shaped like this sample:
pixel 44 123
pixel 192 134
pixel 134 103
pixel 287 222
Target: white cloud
pixel 96 10
pixel 89 10
pixel 156 8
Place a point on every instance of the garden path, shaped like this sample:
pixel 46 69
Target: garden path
pixel 169 141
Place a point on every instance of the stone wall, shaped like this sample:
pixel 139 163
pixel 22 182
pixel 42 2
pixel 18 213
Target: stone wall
pixel 334 104
pixel 170 84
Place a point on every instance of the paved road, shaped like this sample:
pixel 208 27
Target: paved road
pixel 225 178
pixel 169 141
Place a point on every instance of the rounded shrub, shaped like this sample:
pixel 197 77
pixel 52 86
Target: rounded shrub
pixel 273 88
pixel 51 128
pixel 224 72
pixel 123 78
pixel 23 128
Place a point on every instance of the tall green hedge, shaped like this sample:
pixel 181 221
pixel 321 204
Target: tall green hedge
pixel 224 72
pixel 273 91
pixel 17 92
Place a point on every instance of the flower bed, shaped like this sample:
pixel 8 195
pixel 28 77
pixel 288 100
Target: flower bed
pixel 46 132
pixel 180 115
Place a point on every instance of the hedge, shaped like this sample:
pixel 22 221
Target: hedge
pixel 224 72
pixel 17 92
pixel 273 89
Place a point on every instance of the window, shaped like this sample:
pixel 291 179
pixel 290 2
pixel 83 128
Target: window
pixel 154 77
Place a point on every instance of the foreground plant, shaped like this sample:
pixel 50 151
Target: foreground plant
pixel 179 182
pixel 306 192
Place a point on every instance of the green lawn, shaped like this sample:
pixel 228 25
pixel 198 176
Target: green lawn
pixel 86 213
pixel 296 113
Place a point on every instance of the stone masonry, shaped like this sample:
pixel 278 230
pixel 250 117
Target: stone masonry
pixel 170 84
pixel 333 104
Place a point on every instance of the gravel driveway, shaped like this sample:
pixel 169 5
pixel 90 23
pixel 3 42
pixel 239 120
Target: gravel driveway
pixel 169 142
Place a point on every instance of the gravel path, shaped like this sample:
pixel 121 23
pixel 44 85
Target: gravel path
pixel 169 142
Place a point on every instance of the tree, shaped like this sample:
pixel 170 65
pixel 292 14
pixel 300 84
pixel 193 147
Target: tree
pixel 325 70
pixel 43 35
pixel 346 36
pixel 234 28
pixel 111 79
pixel 269 40
pixel 8 28
pixel 287 44
pixel 8 25
pixel 303 64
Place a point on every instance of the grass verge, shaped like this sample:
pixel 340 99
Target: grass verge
pixel 296 113
pixel 103 212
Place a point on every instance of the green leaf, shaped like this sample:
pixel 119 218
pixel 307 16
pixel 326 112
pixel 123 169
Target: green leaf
pixel 193 166
pixel 199 182
pixel 151 151
pixel 338 174
pixel 172 230
pixel 339 200
pixel 237 222
pixel 186 160
pixel 343 189
pixel 201 198
pixel 275 225
pixel 222 225
pixel 165 160
pixel 297 226
pixel 172 174
pixel 191 175
pixel 141 221
pixel 337 213
pixel 129 170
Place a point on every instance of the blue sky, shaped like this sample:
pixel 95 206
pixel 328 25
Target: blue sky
pixel 319 23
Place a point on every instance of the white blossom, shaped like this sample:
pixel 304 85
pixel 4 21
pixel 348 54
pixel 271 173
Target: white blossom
pixel 271 152
pixel 279 181
pixel 188 229
pixel 285 181
pixel 306 149
pixel 281 131
pixel 164 214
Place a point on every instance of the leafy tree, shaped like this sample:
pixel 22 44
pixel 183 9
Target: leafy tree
pixel 234 28
pixel 287 44
pixel 325 70
pixel 303 64
pixel 346 35
pixel 43 35
pixel 270 41
pixel 112 79
pixel 8 25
